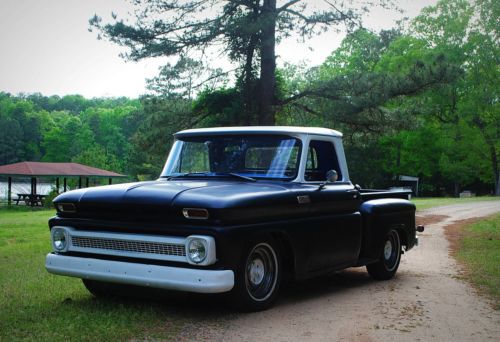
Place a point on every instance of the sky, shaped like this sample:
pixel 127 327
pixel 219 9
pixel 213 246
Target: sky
pixel 45 47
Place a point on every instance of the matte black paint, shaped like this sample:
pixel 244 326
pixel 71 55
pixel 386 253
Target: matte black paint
pixel 337 228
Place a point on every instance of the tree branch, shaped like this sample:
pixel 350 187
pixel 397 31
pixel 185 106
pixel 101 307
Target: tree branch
pixel 285 6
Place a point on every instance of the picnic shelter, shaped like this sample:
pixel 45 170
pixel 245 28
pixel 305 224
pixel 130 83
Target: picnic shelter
pixel 35 170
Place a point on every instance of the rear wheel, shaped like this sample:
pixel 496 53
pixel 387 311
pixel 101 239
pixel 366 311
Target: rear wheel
pixel 258 277
pixel 388 263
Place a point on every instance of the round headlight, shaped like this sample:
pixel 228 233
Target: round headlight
pixel 59 239
pixel 197 251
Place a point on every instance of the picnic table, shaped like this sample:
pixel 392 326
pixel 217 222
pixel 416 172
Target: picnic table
pixel 31 199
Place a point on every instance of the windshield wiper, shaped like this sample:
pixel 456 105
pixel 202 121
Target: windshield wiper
pixel 236 175
pixel 206 174
pixel 186 174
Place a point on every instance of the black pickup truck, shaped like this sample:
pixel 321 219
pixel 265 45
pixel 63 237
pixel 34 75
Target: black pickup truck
pixel 235 210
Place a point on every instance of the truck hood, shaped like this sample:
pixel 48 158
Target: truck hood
pixel 164 200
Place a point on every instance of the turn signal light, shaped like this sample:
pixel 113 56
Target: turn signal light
pixel 195 213
pixel 66 207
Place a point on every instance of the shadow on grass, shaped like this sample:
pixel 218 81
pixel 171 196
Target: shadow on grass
pixel 147 313
pixel 200 306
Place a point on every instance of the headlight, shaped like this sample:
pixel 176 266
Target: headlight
pixel 59 239
pixel 197 250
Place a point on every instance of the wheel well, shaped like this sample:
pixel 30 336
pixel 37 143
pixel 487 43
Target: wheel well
pixel 287 254
pixel 403 236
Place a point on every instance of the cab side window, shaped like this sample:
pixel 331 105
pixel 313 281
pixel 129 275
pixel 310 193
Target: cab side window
pixel 321 158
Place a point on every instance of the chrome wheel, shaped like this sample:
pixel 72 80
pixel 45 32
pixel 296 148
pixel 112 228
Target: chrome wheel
pixel 392 251
pixel 261 272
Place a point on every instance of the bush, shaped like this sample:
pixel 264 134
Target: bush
pixel 47 203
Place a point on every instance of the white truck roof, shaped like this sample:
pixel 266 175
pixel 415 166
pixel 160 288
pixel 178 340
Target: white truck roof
pixel 259 129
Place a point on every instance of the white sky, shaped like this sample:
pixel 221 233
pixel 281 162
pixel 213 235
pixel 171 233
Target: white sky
pixel 45 47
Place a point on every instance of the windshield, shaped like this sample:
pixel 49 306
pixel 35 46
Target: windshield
pixel 264 157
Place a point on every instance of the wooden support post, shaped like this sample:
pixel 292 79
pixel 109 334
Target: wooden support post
pixel 65 185
pixel 80 182
pixel 110 180
pixel 57 185
pixel 9 191
pixel 32 191
pixel 34 185
pixel 86 182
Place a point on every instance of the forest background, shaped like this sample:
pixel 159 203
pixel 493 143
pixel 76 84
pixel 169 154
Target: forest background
pixel 420 99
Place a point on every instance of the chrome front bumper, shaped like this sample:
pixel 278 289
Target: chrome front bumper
pixel 164 277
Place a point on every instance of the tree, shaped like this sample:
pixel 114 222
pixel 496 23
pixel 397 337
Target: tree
pixel 20 130
pixel 468 34
pixel 247 30
pixel 360 85
pixel 159 119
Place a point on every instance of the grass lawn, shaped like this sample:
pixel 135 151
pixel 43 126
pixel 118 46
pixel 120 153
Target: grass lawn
pixel 429 202
pixel 479 250
pixel 35 305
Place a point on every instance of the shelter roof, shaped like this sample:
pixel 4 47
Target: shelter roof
pixel 34 169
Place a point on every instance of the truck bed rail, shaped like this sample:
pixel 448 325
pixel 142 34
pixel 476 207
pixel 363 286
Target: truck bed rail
pixel 370 194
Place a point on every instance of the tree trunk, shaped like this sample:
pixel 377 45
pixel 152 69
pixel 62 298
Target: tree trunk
pixel 249 84
pixel 267 86
pixel 493 153
pixel 496 171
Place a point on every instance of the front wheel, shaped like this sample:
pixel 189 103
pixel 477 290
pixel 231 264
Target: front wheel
pixel 100 289
pixel 388 263
pixel 103 289
pixel 258 277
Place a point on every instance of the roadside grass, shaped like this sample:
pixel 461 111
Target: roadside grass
pixel 35 305
pixel 479 251
pixel 429 202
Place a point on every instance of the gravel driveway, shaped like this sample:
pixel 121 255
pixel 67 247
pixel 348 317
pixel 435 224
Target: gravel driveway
pixel 426 301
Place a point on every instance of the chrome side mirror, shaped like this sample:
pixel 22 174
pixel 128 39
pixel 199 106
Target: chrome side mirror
pixel 332 176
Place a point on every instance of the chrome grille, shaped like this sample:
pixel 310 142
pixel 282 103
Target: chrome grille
pixel 145 247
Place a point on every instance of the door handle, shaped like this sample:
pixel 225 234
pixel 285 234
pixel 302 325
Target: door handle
pixel 353 192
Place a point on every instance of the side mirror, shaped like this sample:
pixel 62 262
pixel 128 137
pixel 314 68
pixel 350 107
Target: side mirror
pixel 332 176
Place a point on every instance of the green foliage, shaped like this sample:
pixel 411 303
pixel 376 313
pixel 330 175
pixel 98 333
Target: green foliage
pixel 419 101
pixel 97 156
pixel 221 107
pixel 20 128
pixel 422 103
pixel 246 31
pixel 47 201
pixel 93 132
pixel 156 124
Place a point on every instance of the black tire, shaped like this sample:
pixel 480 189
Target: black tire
pixel 101 289
pixel 258 277
pixel 387 265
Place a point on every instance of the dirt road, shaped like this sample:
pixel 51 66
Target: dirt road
pixel 426 301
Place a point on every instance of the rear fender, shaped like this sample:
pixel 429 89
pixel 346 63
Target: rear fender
pixel 382 215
